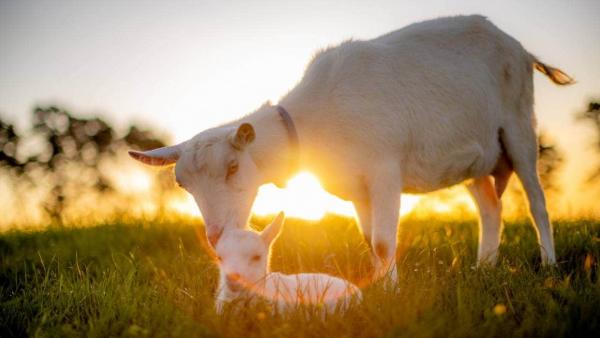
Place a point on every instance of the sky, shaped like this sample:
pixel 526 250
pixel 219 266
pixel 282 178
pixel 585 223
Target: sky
pixel 184 66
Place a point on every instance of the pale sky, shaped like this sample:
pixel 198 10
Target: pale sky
pixel 184 66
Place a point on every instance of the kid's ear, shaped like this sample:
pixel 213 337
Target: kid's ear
pixel 272 230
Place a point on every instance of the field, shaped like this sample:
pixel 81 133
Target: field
pixel 153 278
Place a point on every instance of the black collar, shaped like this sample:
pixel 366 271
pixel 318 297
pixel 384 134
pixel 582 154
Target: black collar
pixel 292 137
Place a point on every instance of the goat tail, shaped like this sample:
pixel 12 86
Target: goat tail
pixel 556 75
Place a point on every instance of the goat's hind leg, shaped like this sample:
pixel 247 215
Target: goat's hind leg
pixel 522 150
pixel 490 222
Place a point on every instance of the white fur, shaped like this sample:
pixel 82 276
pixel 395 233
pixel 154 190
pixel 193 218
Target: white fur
pixel 428 106
pixel 243 258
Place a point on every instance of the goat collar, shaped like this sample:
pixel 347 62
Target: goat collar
pixel 292 138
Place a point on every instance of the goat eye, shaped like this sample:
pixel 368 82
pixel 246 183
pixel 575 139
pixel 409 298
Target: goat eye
pixel 255 258
pixel 232 168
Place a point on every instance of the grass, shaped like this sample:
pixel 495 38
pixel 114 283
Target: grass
pixel 156 280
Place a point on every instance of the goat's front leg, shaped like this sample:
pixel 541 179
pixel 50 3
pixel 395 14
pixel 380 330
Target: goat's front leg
pixel 363 213
pixel 385 188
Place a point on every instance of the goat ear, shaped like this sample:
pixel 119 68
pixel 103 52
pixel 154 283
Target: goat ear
pixel 243 136
pixel 160 156
pixel 272 230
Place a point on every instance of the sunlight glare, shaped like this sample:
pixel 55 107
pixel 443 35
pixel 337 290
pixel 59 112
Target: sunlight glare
pixel 185 205
pixel 131 179
pixel 305 198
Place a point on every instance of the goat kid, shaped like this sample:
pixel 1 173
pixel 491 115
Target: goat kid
pixel 243 258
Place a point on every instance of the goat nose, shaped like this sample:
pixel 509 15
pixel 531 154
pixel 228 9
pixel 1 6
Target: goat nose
pixel 213 237
pixel 234 276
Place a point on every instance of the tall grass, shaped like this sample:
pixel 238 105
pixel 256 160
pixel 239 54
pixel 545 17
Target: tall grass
pixel 155 279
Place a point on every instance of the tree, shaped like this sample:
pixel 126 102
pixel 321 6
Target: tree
pixel 592 115
pixel 9 141
pixel 67 154
pixel 550 160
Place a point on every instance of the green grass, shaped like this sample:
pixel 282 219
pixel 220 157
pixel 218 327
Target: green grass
pixel 156 280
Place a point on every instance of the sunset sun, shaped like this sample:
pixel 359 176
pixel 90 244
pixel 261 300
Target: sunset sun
pixel 302 198
pixel 305 198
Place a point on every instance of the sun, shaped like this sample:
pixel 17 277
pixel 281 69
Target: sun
pixel 302 198
pixel 305 198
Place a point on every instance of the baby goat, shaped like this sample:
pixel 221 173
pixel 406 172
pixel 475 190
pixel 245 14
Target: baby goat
pixel 243 257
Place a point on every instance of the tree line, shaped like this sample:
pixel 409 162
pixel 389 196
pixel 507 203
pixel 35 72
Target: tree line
pixel 66 154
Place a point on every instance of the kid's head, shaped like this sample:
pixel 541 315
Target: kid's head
pixel 243 255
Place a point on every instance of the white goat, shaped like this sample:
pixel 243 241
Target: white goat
pixel 428 106
pixel 243 258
